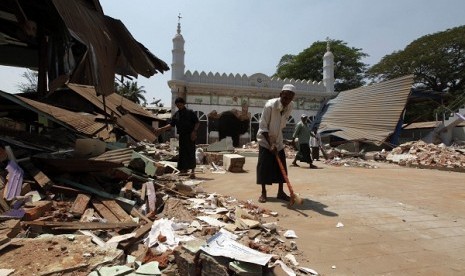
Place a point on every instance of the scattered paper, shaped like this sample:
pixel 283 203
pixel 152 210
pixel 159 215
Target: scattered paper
pixel 308 270
pixel 339 225
pixel 211 221
pixel 221 244
pixel 165 227
pixel 290 234
pixel 285 268
pixel 291 259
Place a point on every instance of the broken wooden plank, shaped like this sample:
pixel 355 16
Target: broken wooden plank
pixel 116 209
pixel 106 213
pixel 136 213
pixel 140 233
pixel 80 205
pixel 4 242
pixel 37 210
pixel 76 225
pixel 10 228
pixel 3 205
pixel 38 175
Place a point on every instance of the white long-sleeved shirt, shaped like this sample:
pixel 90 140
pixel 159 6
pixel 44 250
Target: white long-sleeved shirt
pixel 315 141
pixel 273 120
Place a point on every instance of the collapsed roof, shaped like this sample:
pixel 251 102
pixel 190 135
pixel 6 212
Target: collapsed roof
pixel 120 112
pixel 370 113
pixel 73 41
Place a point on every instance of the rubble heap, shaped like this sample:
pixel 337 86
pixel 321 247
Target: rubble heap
pixel 422 154
pixel 128 210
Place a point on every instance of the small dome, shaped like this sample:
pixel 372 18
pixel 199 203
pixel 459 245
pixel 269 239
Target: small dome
pixel 328 54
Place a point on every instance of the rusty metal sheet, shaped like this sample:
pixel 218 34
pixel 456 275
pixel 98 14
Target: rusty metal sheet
pixel 112 101
pixel 107 41
pixel 119 156
pixel 368 113
pixel 135 128
pixel 81 123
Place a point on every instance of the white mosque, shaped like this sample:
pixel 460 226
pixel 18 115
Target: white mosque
pixel 210 94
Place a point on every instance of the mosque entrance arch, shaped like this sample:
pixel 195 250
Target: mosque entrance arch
pixel 254 126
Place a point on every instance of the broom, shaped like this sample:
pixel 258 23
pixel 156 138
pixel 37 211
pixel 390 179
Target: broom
pixel 294 197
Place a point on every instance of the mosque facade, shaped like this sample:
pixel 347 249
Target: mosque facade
pixel 212 94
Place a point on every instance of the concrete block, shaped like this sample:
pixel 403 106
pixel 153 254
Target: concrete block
pixel 233 162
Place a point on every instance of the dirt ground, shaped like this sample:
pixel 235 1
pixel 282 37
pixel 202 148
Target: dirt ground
pixel 392 220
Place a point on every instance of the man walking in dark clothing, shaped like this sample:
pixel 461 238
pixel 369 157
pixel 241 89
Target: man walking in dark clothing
pixel 187 124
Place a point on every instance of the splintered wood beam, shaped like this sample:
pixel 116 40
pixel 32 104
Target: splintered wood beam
pixel 80 205
pixel 76 225
pixel 38 175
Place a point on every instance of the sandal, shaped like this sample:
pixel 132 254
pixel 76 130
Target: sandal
pixel 283 196
pixel 262 199
pixel 294 165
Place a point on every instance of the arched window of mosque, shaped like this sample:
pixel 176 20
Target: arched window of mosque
pixel 203 127
pixel 201 116
pixel 256 117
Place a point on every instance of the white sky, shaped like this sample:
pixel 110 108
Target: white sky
pixel 251 36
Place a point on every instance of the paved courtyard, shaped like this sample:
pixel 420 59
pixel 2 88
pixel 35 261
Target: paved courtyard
pixel 396 220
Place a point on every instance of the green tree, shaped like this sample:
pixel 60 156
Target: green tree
pixel 131 91
pixel 31 81
pixel 348 71
pixel 437 62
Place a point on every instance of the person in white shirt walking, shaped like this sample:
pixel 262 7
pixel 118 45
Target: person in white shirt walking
pixel 315 144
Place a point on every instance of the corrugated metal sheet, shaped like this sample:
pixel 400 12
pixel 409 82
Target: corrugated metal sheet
pixel 430 124
pixel 84 45
pixel 84 124
pixel 81 123
pixel 110 47
pixel 120 156
pixel 135 128
pixel 112 101
pixel 368 113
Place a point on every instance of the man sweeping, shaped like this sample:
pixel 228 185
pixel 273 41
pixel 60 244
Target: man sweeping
pixel 274 117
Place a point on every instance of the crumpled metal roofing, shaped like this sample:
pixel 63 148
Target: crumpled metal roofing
pixel 123 109
pixel 107 41
pixel 78 122
pixel 113 101
pixel 84 45
pixel 368 113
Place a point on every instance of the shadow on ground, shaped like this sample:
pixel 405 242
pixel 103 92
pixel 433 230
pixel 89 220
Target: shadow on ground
pixel 307 204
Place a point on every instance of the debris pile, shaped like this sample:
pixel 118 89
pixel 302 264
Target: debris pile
pixel 350 162
pixel 421 154
pixel 120 209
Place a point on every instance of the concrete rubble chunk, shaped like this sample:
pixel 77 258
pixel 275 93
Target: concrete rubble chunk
pixel 233 162
pixel 225 144
pixel 150 268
